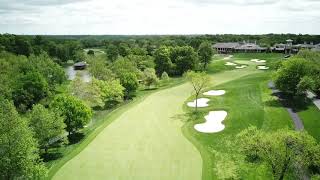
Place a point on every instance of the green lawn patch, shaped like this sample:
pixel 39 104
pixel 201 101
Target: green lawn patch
pixel 248 102
pixel 218 66
pixel 264 56
pixel 310 117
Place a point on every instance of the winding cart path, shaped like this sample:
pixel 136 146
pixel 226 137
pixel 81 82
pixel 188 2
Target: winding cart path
pixel 294 116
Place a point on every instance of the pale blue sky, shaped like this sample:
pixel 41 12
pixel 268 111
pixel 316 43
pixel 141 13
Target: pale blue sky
pixel 159 16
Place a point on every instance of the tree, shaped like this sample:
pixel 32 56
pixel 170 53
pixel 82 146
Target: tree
pixel 112 52
pixel 112 91
pixel 199 81
pixel 150 77
pixel 47 125
pixel 124 65
pixel 124 49
pixel 205 53
pixel 142 62
pixel 165 77
pixel 90 52
pixel 290 74
pixel 184 58
pixel 76 114
pixel 280 150
pixel 162 60
pixel 99 69
pixel 307 82
pixel 18 152
pixel 31 88
pixel 51 71
pixel 23 47
pixel 88 92
pixel 79 56
pixel 130 82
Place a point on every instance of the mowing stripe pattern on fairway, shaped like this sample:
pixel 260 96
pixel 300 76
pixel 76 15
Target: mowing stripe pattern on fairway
pixel 145 142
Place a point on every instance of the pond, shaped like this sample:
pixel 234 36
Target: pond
pixel 71 73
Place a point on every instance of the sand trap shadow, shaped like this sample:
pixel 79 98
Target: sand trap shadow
pixel 202 102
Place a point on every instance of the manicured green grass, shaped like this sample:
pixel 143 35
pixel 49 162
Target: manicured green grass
pixel 101 119
pixel 311 120
pixel 144 139
pixel 248 102
pixel 143 142
pixel 265 56
pixel 218 65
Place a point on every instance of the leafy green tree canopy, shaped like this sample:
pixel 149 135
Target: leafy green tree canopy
pixel 281 150
pixel 18 148
pixel 47 125
pixel 76 113
pixel 205 53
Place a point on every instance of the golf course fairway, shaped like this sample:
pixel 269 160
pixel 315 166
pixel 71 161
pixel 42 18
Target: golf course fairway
pixel 145 142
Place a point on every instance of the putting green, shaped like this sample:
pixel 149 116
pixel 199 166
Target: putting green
pixel 145 142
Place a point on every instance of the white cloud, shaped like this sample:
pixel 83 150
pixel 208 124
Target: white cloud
pixel 159 17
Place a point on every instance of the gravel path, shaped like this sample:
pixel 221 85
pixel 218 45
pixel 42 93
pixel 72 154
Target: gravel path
pixel 314 99
pixel 296 119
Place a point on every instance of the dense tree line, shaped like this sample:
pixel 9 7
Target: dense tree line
pixel 60 50
pixel 34 115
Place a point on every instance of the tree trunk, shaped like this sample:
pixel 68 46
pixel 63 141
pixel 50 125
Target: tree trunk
pixel 283 172
pixel 197 94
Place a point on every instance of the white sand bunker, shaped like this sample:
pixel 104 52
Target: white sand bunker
pixel 215 93
pixel 258 60
pixel 263 67
pixel 228 57
pixel 241 67
pixel 202 102
pixel 213 122
pixel 230 64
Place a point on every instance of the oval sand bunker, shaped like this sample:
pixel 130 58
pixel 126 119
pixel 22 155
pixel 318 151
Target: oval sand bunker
pixel 215 93
pixel 230 64
pixel 202 102
pixel 213 122
pixel 263 67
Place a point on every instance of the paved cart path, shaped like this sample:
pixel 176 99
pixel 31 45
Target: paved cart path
pixel 145 142
pixel 313 97
pixel 295 117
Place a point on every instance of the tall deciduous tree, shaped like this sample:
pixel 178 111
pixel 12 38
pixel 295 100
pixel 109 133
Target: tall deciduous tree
pixel 30 89
pixel 199 81
pixel 150 77
pixel 76 113
pixel 165 77
pixel 130 82
pixel 288 77
pixel 205 53
pixel 112 52
pixel 112 92
pixel 184 58
pixel 280 150
pixel 88 92
pixel 99 69
pixel 162 60
pixel 18 148
pixel 46 124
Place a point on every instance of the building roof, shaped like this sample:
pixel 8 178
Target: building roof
pixel 250 46
pixel 80 64
pixel 229 45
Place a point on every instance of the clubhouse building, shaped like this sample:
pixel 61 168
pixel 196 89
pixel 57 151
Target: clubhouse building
pixel 288 48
